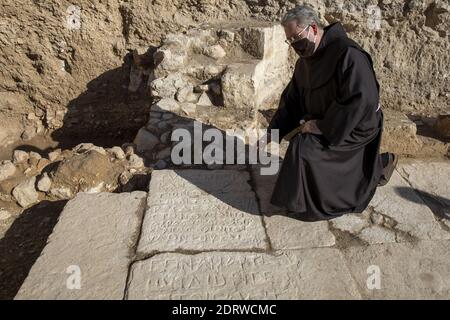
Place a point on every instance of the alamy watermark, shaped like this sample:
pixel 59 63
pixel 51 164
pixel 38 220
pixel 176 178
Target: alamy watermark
pixel 73 281
pixel 374 279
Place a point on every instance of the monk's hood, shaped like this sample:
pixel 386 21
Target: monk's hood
pixel 316 70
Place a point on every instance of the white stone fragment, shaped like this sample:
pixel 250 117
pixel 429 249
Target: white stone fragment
pixel 166 105
pixel 20 156
pixel 44 184
pixel 215 52
pixel 25 193
pixel 7 169
pixel 204 100
pixel 117 152
pixel 4 214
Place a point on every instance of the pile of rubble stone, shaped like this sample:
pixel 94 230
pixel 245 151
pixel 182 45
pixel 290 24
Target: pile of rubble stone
pixel 30 177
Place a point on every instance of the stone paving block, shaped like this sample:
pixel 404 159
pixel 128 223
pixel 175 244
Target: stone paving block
pixel 201 210
pixel 377 234
pixel 406 271
pixel 431 180
pixel 352 223
pixel 399 202
pixel 300 274
pixel 285 231
pixel 95 238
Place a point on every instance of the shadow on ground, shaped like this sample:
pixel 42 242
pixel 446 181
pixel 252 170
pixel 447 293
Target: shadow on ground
pixel 440 206
pixel 107 113
pixel 24 242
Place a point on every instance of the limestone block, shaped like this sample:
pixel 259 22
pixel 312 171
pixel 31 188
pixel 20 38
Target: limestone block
pixel 93 238
pixel 301 274
pixel 145 140
pixel 404 270
pixel 399 202
pixel 399 134
pixel 25 193
pixel 201 210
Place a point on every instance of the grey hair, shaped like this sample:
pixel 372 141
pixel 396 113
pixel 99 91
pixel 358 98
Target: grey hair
pixel 303 14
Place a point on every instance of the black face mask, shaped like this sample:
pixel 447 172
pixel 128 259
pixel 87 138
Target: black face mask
pixel 304 47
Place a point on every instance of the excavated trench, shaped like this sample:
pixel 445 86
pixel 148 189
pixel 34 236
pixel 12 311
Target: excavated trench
pixel 107 114
pixel 116 106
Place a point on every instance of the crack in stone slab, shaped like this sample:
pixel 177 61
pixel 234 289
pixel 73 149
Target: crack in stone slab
pixel 135 240
pixel 146 256
pixel 345 238
pixel 252 184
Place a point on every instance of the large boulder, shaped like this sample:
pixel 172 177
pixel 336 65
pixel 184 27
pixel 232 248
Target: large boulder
pixel 87 172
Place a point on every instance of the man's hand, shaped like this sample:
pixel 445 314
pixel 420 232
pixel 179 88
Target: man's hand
pixel 311 127
pixel 264 141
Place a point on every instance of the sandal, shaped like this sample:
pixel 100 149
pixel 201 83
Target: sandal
pixel 388 169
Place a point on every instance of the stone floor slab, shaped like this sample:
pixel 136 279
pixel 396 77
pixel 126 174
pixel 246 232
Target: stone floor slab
pixel 201 210
pixel 94 238
pixel 431 180
pixel 399 202
pixel 285 231
pixel 300 274
pixel 406 270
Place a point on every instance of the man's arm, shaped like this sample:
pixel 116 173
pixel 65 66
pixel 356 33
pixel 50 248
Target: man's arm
pixel 289 110
pixel 357 95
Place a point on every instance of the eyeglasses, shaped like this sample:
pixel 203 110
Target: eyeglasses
pixel 295 37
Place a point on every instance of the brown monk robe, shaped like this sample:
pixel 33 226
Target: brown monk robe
pixel 326 175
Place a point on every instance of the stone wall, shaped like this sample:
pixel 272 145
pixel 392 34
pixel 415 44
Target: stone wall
pixel 221 76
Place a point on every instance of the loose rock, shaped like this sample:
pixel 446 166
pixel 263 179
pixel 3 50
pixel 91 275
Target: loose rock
pixel 44 183
pixel 7 169
pixel 118 153
pixel 204 100
pixel 83 147
pixel 135 161
pixel 54 155
pixel 25 193
pixel 166 105
pixel 35 155
pixel 20 156
pixel 4 215
pixel 215 52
